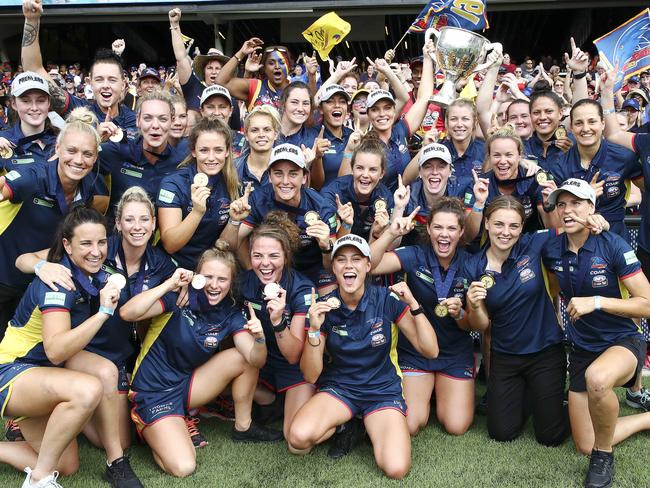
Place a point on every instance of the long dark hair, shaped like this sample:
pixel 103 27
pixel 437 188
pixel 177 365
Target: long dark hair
pixel 78 215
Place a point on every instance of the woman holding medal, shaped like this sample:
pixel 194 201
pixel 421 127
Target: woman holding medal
pixel 55 328
pixel 280 296
pixel 357 324
pixel 433 273
pixel 508 294
pixel 180 366
pixel 193 204
pixel 601 278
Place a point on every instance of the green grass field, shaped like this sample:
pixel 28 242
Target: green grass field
pixel 439 460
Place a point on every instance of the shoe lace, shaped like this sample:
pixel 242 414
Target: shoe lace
pixel 191 423
pixel 12 425
pixel 598 463
pixel 53 483
pixel 645 396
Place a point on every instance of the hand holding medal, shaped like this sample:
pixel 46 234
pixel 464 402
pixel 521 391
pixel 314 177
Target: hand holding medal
pixel 276 301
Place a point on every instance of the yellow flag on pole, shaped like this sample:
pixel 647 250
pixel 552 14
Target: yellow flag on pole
pixel 326 33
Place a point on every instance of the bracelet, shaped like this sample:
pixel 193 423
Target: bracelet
pixel 597 302
pixel 39 265
pixel 477 209
pixel 314 345
pixel 237 58
pixel 313 334
pixel 236 223
pixel 282 325
pixel 608 111
pixel 173 28
pixel 347 155
pixel 417 311
pixel 579 76
pixel 260 340
pixel 106 310
pixel 329 249
pixel 346 226
pixel 462 313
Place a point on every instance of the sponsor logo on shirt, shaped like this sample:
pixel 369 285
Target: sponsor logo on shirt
pixel 54 298
pixel 129 172
pixel 526 274
pixel 523 261
pixel 210 342
pixel 43 202
pixel 165 196
pixel 378 340
pixel 630 257
pixel 340 330
pixel 12 175
pixel 599 281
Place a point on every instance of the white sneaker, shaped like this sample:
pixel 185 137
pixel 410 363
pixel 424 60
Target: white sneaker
pixel 47 482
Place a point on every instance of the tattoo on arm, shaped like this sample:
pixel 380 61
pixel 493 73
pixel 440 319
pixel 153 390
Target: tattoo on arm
pixel 57 96
pixel 30 33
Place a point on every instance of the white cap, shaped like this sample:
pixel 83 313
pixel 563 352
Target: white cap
pixel 579 188
pixel 435 151
pixel 352 240
pixel 288 152
pixel 28 81
pixel 330 90
pixel 377 95
pixel 215 90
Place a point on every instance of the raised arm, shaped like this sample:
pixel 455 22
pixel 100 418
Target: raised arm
pixel 613 131
pixel 311 361
pixel 30 54
pixel 486 91
pixel 416 328
pixel 146 305
pixel 418 110
pixel 183 62
pixel 578 63
pixel 238 87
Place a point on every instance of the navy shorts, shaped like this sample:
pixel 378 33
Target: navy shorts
pixel 8 374
pixel 281 377
pixel 457 368
pixel 580 359
pixel 365 407
pixel 151 406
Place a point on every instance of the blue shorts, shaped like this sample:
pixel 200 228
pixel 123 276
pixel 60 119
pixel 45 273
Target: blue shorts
pixel 123 384
pixel 281 377
pixel 8 374
pixel 458 368
pixel 151 406
pixel 365 407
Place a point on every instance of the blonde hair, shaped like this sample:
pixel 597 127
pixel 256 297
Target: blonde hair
pixel 158 95
pixel 264 110
pixel 506 131
pixel 221 252
pixel 218 126
pixel 83 120
pixel 461 102
pixel 134 194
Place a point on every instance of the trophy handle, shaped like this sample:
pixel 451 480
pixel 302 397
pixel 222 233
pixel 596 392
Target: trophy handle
pixel 488 48
pixel 431 31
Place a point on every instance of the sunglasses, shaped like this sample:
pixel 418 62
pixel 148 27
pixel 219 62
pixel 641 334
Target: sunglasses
pixel 272 48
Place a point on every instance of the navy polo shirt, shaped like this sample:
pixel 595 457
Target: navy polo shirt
pixel 127 166
pixel 472 158
pixel 364 212
pixel 308 259
pixel 182 339
pixel 113 340
pixel 519 304
pixel 30 217
pixel 423 274
pixel 641 143
pixel 362 346
pixel 23 340
pixel 298 300
pixel 617 166
pixel 334 155
pixel 534 150
pixel 246 176
pixel 397 153
pixel 125 119
pixel 599 268
pixel 26 150
pixel 306 135
pixel 175 192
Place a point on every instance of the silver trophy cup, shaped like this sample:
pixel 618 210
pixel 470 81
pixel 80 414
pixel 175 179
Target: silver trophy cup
pixel 459 53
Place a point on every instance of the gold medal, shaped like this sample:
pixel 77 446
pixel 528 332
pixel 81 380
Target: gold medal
pixel 380 205
pixel 6 153
pixel 271 290
pixel 311 217
pixel 199 281
pixel 201 179
pixel 118 280
pixel 118 136
pixel 441 310
pixel 333 302
pixel 541 177
pixel 487 280
pixel 560 132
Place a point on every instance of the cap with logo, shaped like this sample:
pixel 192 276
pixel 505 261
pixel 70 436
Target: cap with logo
pixel 352 240
pixel 580 188
pixel 377 95
pixel 198 65
pixel 288 152
pixel 330 90
pixel 360 91
pixel 634 79
pixel 631 103
pixel 149 73
pixel 213 91
pixel 28 81
pixel 435 151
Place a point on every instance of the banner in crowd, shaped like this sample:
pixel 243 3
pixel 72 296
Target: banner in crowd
pixel 326 33
pixel 466 14
pixel 627 46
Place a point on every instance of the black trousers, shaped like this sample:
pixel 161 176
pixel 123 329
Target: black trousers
pixel 528 383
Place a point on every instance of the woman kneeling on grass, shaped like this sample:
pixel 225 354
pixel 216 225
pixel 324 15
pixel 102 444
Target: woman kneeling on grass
pixel 359 326
pixel 180 366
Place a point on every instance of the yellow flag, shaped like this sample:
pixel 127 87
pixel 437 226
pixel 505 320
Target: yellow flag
pixel 469 92
pixel 326 33
pixel 187 40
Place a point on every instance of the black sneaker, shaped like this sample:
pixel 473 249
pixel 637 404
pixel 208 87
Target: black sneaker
pixel 256 433
pixel 266 414
pixel 639 399
pixel 221 407
pixel 12 431
pixel 120 474
pixel 195 434
pixel 601 470
pixel 346 437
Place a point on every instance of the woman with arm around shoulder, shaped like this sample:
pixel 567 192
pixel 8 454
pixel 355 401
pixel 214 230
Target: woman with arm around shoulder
pixel 357 323
pixel 180 366
pixel 601 278
pixel 433 273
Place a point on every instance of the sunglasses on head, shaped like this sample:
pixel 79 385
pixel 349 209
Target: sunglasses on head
pixel 273 48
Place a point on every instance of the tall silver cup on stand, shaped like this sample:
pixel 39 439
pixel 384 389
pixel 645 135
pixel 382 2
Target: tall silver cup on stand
pixel 459 53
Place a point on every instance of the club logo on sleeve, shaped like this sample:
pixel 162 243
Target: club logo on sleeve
pixel 630 257
pixel 54 298
pixel 165 196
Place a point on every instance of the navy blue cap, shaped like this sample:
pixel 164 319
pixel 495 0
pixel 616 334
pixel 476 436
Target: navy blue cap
pixel 149 72
pixel 634 79
pixel 632 103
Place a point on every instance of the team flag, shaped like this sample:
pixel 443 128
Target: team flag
pixel 469 14
pixel 627 46
pixel 326 33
